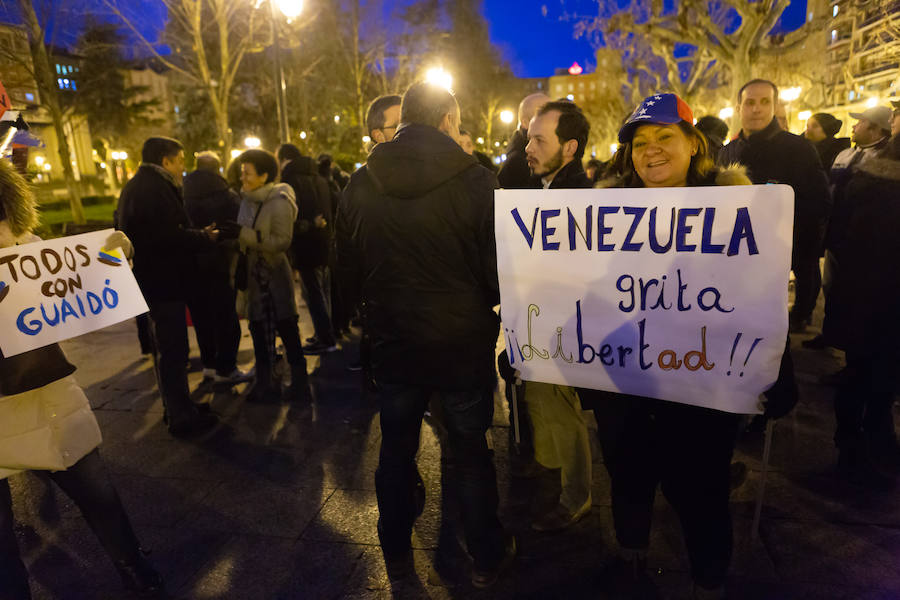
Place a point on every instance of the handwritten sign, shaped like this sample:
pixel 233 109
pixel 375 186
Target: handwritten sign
pixel 63 288
pixel 678 293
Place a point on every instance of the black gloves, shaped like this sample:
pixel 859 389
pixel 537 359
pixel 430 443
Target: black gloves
pixel 506 371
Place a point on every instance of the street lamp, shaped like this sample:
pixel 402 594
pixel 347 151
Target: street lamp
pixel 790 94
pixel 804 115
pixel 440 77
pixel 290 9
pixel 726 113
pixel 507 116
pixel 252 141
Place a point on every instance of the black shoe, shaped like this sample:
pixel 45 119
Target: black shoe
pixel 141 578
pixel 355 366
pixel 485 579
pixel 816 343
pixel 298 391
pixel 320 348
pixel 199 423
pixel 627 579
pixel 797 325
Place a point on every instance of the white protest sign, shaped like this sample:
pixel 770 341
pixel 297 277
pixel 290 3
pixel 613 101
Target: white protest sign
pixel 59 289
pixel 678 294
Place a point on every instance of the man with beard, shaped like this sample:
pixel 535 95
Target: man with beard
pixel 514 174
pixel 557 136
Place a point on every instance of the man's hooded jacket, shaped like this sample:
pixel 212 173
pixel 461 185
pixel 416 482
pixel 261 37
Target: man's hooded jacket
pixel 420 224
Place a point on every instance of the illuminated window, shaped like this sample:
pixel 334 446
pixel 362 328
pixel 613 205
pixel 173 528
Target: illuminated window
pixel 836 10
pixel 58 69
pixel 73 86
pixel 833 34
pixel 59 82
pixel 29 96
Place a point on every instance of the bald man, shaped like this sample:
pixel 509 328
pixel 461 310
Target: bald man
pixel 515 174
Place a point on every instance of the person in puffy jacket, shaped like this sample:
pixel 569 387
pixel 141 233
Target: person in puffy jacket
pixel 266 218
pixel 47 426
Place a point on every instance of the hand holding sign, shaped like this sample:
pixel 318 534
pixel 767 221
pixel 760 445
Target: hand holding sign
pixel 63 288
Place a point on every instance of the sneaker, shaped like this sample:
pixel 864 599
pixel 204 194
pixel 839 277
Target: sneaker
pixel 319 348
pixel 236 376
pixel 485 579
pixel 560 518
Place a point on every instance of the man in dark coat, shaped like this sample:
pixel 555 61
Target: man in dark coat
pixel 208 201
pixel 865 435
pixel 152 215
pixel 773 155
pixel 515 174
pixel 311 246
pixel 421 217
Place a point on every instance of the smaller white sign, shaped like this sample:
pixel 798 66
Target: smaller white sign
pixel 59 289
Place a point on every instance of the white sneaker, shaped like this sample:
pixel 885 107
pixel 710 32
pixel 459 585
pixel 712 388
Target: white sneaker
pixel 236 376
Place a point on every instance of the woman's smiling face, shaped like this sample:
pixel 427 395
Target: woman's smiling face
pixel 662 154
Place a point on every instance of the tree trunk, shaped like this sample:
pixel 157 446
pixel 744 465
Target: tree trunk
pixel 45 82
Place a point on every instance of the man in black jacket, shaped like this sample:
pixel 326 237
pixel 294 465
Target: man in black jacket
pixel 421 217
pixel 772 155
pixel 208 200
pixel 152 215
pixel 515 174
pixel 311 246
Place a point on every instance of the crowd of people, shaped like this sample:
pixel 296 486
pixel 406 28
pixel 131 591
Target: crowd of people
pixel 406 249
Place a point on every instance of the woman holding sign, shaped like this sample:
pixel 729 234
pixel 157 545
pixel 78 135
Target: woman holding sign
pixel 647 443
pixel 46 425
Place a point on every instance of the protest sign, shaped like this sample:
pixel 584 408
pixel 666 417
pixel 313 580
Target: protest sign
pixel 59 289
pixel 678 293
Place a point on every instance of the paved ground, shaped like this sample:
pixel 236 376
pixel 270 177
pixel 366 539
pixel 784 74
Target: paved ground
pixel 279 502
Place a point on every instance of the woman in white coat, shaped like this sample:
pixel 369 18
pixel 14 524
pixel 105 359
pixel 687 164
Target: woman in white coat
pixel 46 424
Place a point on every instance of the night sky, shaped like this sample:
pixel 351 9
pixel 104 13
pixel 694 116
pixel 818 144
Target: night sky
pixel 535 36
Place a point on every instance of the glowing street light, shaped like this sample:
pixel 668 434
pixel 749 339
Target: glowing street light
pixel 440 77
pixel 235 153
pixel 804 115
pixel 613 148
pixel 507 116
pixel 790 94
pixel 290 8
pixel 496 144
pixel 302 135
pixel 47 166
pixel 726 113
pixel 252 141
pixel 337 118
pixel 366 139
pixel 871 102
pixel 480 140
pixel 39 160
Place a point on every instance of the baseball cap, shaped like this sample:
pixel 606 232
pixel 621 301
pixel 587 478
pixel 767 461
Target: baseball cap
pixel 666 109
pixel 880 116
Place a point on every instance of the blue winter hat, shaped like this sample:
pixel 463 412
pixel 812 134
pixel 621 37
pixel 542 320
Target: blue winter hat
pixel 667 109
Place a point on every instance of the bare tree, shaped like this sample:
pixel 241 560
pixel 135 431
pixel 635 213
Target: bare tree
pixel 730 38
pixel 209 39
pixel 37 65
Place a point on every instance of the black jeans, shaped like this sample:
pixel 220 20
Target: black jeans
pixel 216 322
pixel 170 334
pixel 807 276
pixel 316 282
pixel 88 485
pixel 263 334
pixel 864 403
pixel 687 451
pixel 468 416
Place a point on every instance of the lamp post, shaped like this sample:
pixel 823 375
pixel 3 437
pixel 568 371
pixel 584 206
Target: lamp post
pixel 290 9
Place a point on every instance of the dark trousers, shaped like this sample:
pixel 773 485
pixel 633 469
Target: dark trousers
pixel 216 324
pixel 807 282
pixel 88 485
pixel 316 282
pixel 687 451
pixel 864 403
pixel 170 334
pixel 468 416
pixel 525 448
pixel 263 334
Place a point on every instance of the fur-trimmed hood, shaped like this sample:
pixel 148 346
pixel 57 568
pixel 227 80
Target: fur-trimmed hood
pixel 19 213
pixel 883 168
pixel 733 174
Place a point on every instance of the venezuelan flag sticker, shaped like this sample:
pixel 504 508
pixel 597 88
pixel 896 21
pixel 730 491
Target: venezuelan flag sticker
pixel 113 257
pixel 4 290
